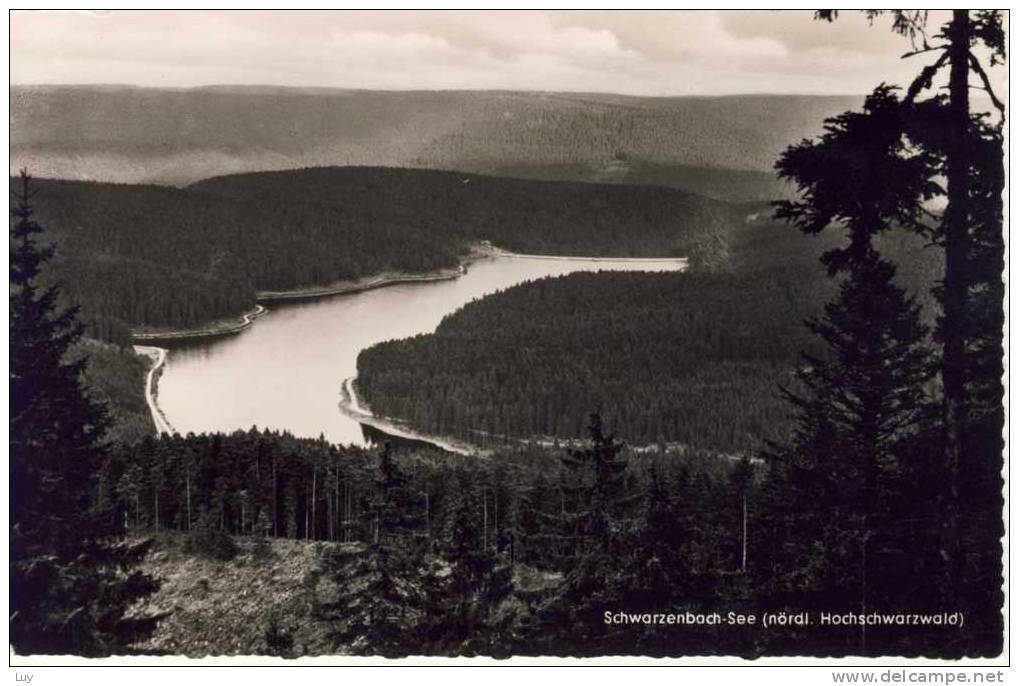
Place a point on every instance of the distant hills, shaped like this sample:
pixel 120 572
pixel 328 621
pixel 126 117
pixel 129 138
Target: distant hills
pixel 722 147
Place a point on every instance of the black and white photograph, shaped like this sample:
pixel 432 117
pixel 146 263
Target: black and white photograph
pixel 509 337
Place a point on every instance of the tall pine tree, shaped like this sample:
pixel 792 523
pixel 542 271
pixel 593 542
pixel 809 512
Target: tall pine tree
pixel 968 149
pixel 468 619
pixel 597 473
pixel 71 581
pixel 594 483
pixel 863 403
pixel 382 598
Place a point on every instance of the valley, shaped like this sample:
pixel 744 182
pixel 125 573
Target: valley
pixel 466 362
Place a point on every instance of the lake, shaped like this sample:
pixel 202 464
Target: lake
pixel 286 371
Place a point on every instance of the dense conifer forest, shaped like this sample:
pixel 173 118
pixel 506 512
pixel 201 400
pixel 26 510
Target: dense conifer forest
pixel 423 552
pixel 467 534
pixel 134 256
pixel 693 358
pixel 115 377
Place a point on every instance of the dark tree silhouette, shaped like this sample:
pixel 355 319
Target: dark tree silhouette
pixel 862 403
pixel 70 586
pixel 593 485
pixel 477 583
pixel 383 588
pixel 597 472
pixel 862 173
pixel 970 156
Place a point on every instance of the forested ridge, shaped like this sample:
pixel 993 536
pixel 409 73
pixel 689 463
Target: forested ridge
pixel 518 215
pixel 564 136
pixel 730 185
pixel 153 256
pixel 693 357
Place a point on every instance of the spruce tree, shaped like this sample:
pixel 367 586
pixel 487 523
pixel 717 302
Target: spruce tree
pixel 858 410
pixel 382 599
pixel 968 150
pixel 596 476
pixel 71 579
pixel 861 404
pixel 478 580
pixel 594 481
pixel 969 484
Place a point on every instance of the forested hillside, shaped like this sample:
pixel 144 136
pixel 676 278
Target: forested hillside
pixel 582 137
pixel 229 496
pixel 155 256
pixel 518 215
pixel 521 554
pixel 694 358
pixel 221 498
pixel 731 185
pixel 116 377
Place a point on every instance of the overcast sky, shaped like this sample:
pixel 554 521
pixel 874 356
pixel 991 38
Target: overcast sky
pixel 640 53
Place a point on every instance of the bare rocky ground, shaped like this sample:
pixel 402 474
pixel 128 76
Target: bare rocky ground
pixel 220 607
pixel 225 607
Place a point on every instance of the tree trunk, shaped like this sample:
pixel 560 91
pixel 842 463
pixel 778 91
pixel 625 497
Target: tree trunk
pixel 344 511
pixel 314 484
pixel 275 501
pixel 348 511
pixel 743 552
pixel 955 227
pixel 863 585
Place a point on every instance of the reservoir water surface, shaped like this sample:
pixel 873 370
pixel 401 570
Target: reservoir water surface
pixel 287 370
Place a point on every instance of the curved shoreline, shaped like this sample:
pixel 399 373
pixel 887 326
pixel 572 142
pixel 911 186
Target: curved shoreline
pixel 498 252
pixel 350 405
pixel 349 402
pixel 158 357
pixel 158 354
pixel 247 319
pixel 312 293
pixel 477 252
pixel 378 281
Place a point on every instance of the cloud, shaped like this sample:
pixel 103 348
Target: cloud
pixel 647 53
pixel 673 36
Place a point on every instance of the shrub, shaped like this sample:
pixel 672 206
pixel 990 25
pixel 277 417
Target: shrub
pixel 207 540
